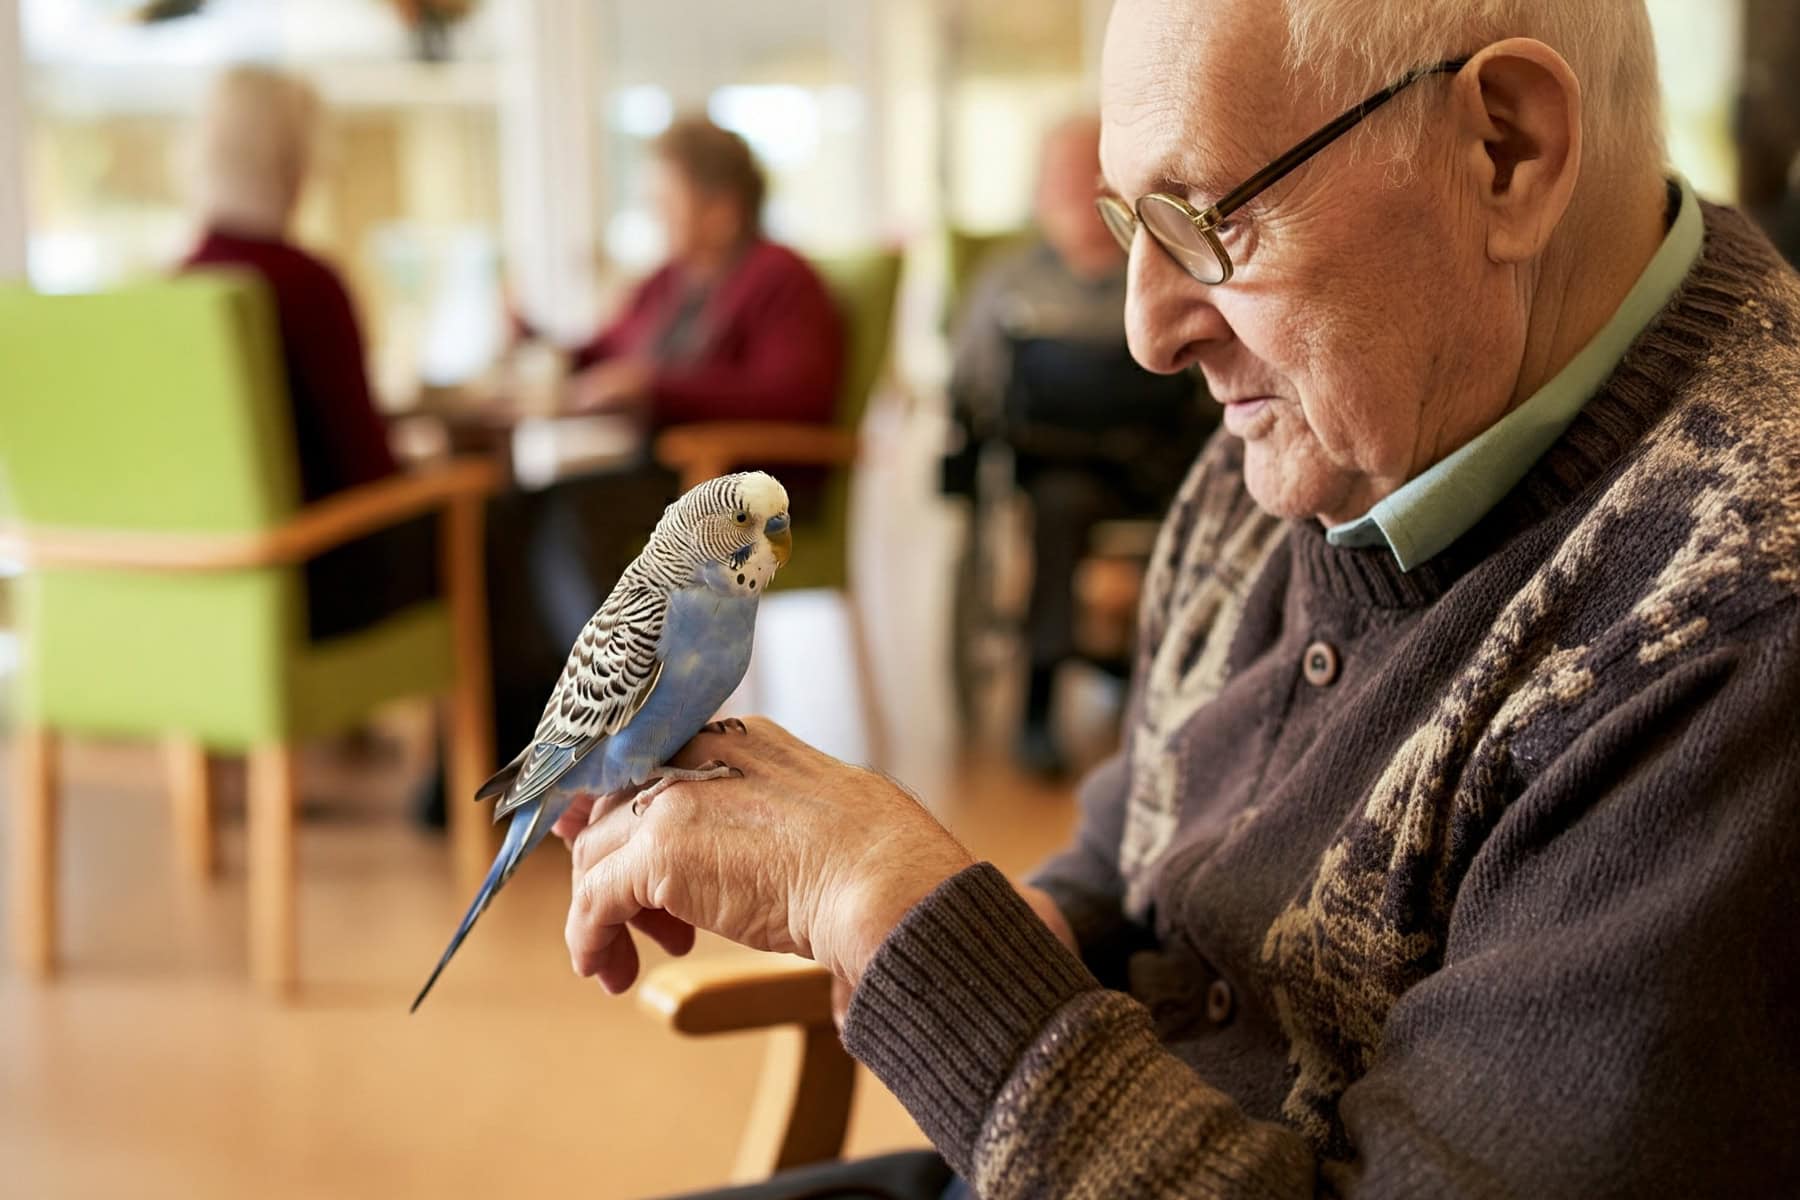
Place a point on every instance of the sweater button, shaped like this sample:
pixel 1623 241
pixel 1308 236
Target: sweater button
pixel 1219 1002
pixel 1320 664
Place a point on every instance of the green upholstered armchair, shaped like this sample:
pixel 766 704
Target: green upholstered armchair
pixel 866 287
pixel 148 482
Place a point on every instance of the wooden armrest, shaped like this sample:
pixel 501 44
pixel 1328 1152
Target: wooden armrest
pixel 802 1106
pixel 732 993
pixel 339 518
pixel 705 451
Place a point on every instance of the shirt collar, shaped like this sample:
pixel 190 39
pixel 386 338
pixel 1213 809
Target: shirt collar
pixel 1430 512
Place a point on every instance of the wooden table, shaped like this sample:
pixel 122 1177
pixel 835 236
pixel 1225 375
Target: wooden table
pixel 532 449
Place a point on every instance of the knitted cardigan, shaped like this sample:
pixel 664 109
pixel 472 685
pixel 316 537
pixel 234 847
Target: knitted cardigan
pixel 1474 880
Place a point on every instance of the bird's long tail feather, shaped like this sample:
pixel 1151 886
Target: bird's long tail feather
pixel 512 849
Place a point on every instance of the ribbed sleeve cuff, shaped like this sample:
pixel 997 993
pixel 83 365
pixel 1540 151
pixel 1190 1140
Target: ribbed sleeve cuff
pixel 952 999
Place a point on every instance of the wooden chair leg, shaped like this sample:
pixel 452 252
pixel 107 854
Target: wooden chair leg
pixel 33 837
pixel 865 681
pixel 274 915
pixel 469 746
pixel 802 1105
pixel 191 796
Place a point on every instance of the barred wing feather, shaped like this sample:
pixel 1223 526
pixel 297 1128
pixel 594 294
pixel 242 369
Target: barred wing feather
pixel 610 674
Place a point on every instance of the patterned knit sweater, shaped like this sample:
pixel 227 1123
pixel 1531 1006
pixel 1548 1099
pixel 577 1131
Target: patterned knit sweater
pixel 1473 881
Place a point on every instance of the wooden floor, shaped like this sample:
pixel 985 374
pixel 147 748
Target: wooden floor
pixel 150 1068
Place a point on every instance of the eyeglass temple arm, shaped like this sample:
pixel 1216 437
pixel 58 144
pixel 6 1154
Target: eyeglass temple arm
pixel 1282 167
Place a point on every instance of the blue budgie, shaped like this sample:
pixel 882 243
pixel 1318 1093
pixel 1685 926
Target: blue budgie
pixel 667 648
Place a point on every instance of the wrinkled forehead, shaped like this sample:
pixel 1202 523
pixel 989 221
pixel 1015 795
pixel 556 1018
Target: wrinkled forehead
pixel 1194 94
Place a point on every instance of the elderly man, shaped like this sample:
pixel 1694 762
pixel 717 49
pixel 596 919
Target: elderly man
pixel 1452 847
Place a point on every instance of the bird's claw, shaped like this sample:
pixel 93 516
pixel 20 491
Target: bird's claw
pixel 725 725
pixel 668 777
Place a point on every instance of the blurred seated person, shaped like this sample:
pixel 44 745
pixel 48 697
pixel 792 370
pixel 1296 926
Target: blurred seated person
pixel 733 327
pixel 253 151
pixel 1041 364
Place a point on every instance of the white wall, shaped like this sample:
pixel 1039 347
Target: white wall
pixel 1699 48
pixel 12 144
pixel 550 176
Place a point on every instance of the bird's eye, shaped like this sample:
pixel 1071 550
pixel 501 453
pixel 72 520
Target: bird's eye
pixel 742 518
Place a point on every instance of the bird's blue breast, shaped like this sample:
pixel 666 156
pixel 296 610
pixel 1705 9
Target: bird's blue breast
pixel 705 650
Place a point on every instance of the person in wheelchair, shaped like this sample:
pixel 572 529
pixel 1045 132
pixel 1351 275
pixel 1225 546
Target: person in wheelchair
pixel 1042 369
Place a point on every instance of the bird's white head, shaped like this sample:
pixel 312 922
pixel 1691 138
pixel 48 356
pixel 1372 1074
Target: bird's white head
pixel 737 528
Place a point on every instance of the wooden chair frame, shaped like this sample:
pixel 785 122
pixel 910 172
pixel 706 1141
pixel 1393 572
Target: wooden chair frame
pixel 801 1110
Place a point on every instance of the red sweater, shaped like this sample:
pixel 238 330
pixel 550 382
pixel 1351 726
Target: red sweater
pixel 339 436
pixel 769 343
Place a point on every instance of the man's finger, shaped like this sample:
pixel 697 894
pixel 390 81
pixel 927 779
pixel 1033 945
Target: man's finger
pixel 605 898
pixel 575 819
pixel 604 834
pixel 618 967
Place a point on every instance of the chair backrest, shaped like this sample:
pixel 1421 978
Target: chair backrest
pixel 866 288
pixel 157 407
pixel 966 253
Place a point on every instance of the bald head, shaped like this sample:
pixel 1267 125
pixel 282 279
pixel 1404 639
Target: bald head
pixel 1068 168
pixel 253 149
pixel 1071 154
pixel 1193 90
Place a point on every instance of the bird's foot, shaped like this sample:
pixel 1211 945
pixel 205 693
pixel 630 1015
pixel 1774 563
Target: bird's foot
pixel 725 725
pixel 667 777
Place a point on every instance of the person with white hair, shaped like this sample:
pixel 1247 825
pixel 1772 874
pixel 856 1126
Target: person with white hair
pixel 253 150
pixel 1451 848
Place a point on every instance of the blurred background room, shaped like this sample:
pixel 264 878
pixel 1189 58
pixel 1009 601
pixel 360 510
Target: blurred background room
pixel 348 347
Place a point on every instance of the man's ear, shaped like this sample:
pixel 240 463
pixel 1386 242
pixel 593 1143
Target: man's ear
pixel 1518 106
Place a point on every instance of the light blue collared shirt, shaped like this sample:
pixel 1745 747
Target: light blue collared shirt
pixel 1425 516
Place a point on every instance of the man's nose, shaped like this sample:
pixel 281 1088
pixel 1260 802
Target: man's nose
pixel 1169 315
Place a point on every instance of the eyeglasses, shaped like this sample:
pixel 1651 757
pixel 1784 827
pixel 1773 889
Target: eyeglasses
pixel 1191 237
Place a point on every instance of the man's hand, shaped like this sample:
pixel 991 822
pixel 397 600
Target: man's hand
pixel 804 854
pixel 611 386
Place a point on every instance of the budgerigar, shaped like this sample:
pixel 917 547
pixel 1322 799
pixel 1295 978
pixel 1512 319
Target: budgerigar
pixel 667 648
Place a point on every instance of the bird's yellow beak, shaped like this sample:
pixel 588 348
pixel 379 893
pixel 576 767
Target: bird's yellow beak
pixel 783 545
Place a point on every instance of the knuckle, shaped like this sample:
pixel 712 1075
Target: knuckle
pixel 586 898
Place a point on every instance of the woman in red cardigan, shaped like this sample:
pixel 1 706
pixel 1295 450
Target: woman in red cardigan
pixel 733 326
